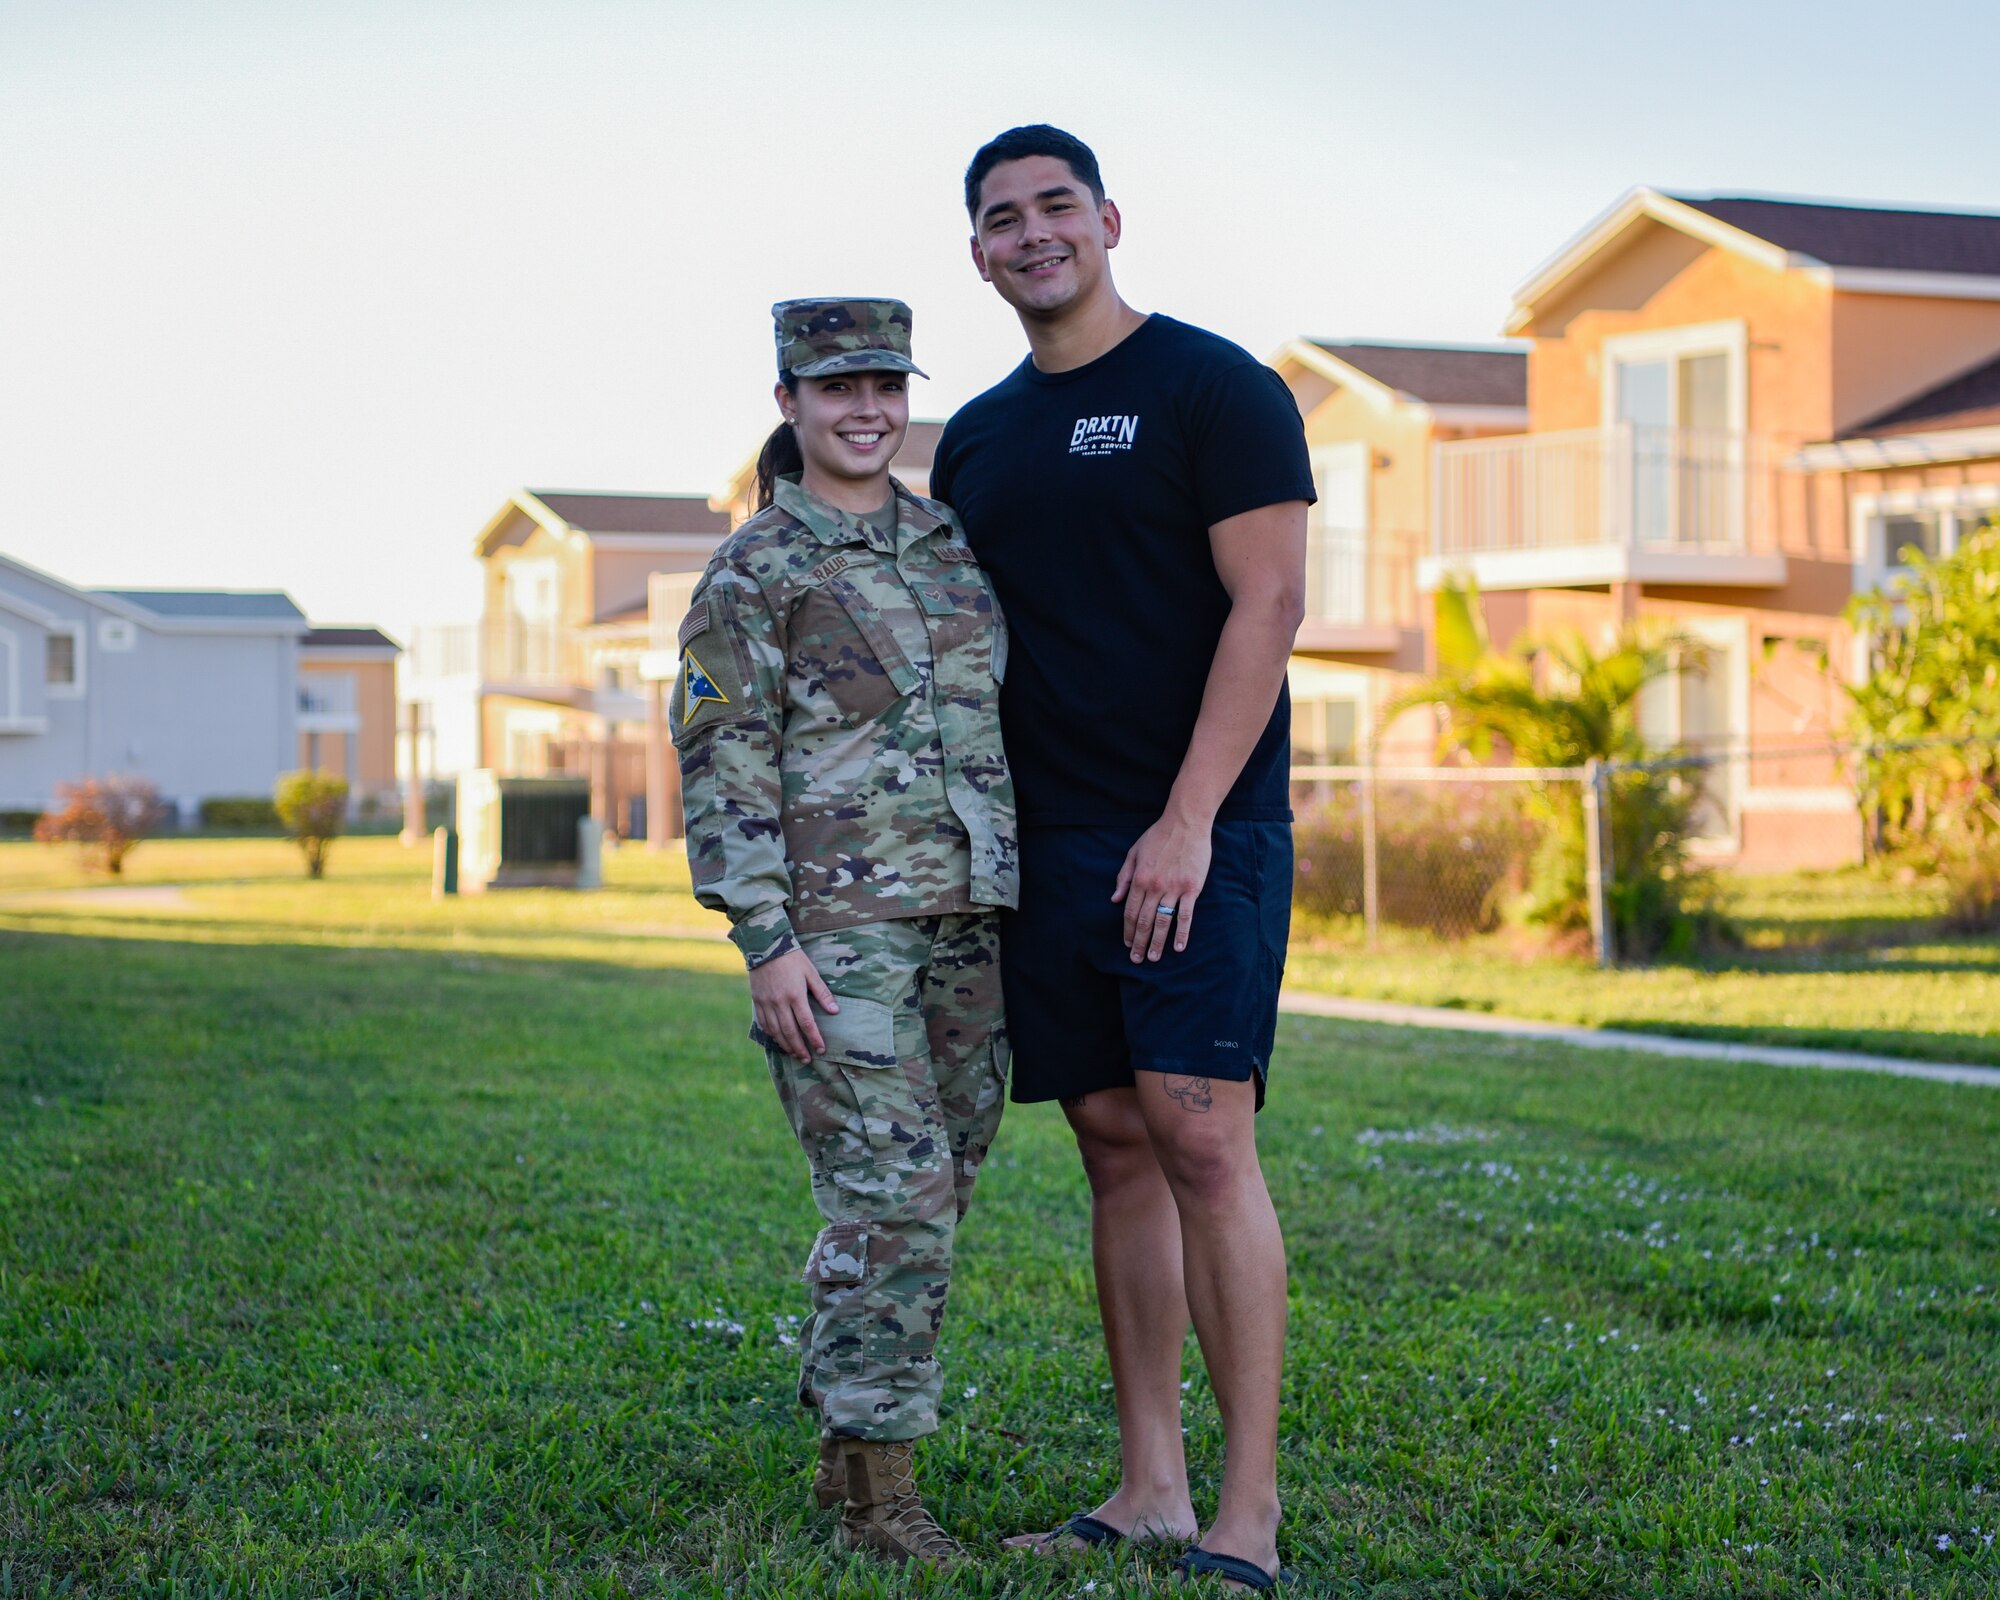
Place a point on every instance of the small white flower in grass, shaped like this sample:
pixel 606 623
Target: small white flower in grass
pixel 1685 1427
pixel 423 1436
pixel 1944 1541
pixel 647 1305
pixel 1958 1438
pixel 972 1391
pixel 1763 1481
pixel 1186 1385
pixel 1777 1299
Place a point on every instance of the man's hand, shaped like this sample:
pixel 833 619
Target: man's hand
pixel 782 992
pixel 1164 871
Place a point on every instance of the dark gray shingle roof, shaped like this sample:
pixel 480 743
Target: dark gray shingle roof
pixel 1864 236
pixel 347 639
pixel 634 513
pixel 1452 375
pixel 212 605
pixel 1970 400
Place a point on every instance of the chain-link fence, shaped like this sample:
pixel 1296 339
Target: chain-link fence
pixel 1448 851
pixel 1437 850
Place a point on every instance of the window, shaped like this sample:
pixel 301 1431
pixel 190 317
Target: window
pixel 1701 708
pixel 1932 521
pixel 1325 732
pixel 1337 535
pixel 63 665
pixel 1679 398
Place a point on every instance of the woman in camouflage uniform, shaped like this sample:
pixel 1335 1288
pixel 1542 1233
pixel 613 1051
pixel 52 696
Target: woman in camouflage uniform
pixel 849 808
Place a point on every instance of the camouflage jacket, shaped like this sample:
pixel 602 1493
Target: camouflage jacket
pixel 837 717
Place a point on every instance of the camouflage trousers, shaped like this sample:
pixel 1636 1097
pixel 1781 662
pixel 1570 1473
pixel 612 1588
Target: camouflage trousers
pixel 895 1116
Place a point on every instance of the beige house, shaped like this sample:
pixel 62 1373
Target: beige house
pixel 566 629
pixel 1374 416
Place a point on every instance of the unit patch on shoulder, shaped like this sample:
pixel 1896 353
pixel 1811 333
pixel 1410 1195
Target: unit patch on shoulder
pixel 697 686
pixel 832 567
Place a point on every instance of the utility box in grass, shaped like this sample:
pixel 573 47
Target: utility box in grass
pixel 520 833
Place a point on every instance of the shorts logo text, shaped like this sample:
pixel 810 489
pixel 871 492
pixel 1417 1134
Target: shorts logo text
pixel 1099 436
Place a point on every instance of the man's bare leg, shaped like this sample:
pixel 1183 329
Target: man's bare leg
pixel 1136 1254
pixel 1203 1134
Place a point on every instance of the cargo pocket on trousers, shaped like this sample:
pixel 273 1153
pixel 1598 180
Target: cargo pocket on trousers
pixel 839 1258
pixel 862 1076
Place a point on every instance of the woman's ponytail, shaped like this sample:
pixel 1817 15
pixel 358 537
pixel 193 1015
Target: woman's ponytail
pixel 780 455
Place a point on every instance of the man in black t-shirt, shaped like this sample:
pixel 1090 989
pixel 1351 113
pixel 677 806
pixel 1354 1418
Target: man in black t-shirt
pixel 1137 490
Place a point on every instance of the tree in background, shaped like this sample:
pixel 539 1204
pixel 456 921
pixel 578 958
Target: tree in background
pixel 1553 701
pixel 107 816
pixel 1933 689
pixel 313 808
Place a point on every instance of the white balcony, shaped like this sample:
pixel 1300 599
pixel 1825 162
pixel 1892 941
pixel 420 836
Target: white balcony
pixel 1360 590
pixel 328 703
pixel 1623 504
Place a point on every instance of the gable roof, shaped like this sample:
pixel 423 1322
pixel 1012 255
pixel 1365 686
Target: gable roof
pixel 1860 248
pixel 1440 374
pixel 348 639
pixel 212 605
pixel 1970 400
pixel 1843 234
pixel 589 511
pixel 673 520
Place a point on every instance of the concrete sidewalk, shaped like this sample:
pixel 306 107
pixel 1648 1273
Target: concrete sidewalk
pixel 1397 1015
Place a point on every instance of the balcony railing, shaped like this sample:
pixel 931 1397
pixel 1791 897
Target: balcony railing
pixel 326 695
pixel 1360 578
pixel 1685 491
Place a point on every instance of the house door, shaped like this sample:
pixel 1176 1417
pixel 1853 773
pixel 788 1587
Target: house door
pixel 1337 534
pixel 1685 470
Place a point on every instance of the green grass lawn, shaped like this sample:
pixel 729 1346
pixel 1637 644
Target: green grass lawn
pixel 352 1244
pixel 1849 960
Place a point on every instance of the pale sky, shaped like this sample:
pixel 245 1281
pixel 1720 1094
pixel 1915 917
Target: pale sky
pixel 293 292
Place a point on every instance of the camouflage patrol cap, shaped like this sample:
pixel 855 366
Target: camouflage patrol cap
pixel 817 338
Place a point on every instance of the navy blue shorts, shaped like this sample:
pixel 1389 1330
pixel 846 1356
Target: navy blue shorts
pixel 1083 1017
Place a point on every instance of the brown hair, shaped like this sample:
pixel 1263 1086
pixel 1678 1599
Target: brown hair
pixel 781 453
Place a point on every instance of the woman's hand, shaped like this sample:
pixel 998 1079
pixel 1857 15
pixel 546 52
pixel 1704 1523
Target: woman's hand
pixel 783 991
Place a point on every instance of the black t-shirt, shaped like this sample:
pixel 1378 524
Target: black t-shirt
pixel 1088 496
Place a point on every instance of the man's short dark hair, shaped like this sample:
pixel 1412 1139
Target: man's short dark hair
pixel 1036 139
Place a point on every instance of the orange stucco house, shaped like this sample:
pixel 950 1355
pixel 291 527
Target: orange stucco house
pixel 347 711
pixel 1739 410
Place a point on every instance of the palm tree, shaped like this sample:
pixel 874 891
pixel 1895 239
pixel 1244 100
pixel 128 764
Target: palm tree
pixel 1551 700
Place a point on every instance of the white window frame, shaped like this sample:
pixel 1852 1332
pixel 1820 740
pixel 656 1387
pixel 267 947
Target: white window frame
pixel 1962 502
pixel 77 634
pixel 1358 562
pixel 1731 338
pixel 1730 635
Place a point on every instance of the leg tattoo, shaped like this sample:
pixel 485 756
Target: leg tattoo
pixel 1193 1093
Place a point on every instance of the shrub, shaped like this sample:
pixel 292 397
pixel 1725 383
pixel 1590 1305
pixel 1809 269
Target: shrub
pixel 1448 858
pixel 107 816
pixel 239 811
pixel 313 808
pixel 19 821
pixel 1930 712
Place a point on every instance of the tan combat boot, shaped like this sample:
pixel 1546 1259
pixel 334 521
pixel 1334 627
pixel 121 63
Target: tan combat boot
pixel 884 1516
pixel 829 1477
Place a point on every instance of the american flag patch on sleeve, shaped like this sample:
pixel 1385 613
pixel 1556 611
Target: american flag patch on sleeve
pixel 694 625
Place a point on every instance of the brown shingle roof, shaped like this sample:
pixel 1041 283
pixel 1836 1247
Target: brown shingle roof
pixel 634 513
pixel 1865 236
pixel 1971 400
pixel 1451 375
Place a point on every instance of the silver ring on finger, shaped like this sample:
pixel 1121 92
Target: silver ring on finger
pixel 1164 909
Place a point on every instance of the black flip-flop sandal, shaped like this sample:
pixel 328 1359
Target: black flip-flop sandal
pixel 1092 1532
pixel 1199 1561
